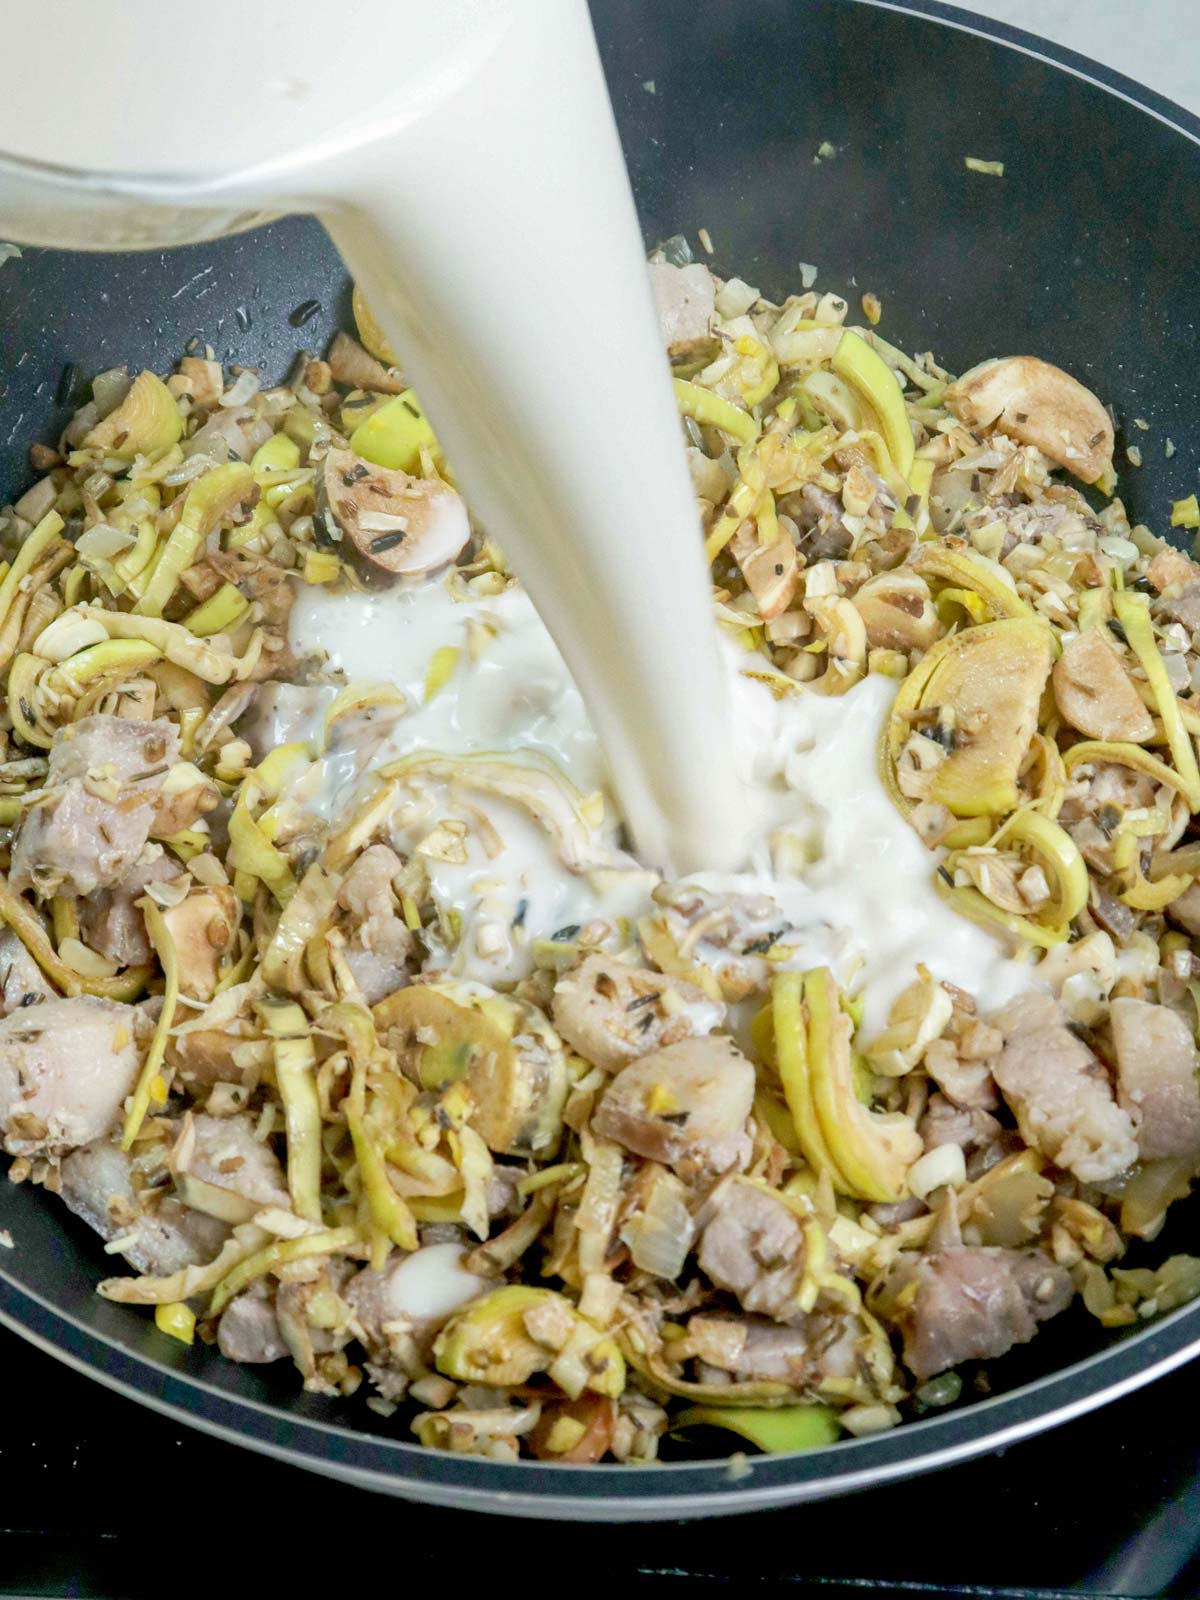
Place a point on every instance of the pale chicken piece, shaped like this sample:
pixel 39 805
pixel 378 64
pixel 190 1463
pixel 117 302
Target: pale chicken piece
pixel 968 1304
pixel 66 1067
pixel 93 820
pixel 611 1013
pixel 1095 693
pixel 22 982
pixel 1063 1100
pixel 379 943
pixel 685 1106
pixel 160 1234
pixel 395 523
pixel 684 299
pixel 753 1245
pixel 113 924
pixel 220 1168
pixel 1156 1077
pixel 813 1349
pixel 249 1330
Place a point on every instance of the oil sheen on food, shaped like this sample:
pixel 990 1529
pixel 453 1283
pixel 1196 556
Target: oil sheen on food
pixel 860 899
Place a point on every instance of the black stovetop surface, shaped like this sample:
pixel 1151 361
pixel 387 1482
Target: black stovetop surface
pixel 101 1497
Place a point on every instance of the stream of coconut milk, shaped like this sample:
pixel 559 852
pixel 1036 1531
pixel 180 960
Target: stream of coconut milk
pixel 464 158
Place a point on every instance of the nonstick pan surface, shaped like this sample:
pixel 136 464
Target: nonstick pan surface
pixel 1083 253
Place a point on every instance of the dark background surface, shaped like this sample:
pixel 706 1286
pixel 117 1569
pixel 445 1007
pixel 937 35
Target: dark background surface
pixel 1085 253
pixel 100 1497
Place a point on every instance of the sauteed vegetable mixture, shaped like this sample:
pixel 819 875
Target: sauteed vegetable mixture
pixel 664 1169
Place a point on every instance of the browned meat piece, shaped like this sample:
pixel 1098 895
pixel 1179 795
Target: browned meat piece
pixel 380 943
pixel 94 819
pixel 683 298
pixel 968 1304
pixel 1060 1093
pixel 112 924
pixel 1184 609
pixel 162 1235
pixel 611 1012
pixel 753 1349
pixel 969 1127
pixel 66 1067
pixel 1186 910
pixel 684 1106
pixel 1113 915
pixel 965 1082
pixel 22 982
pixel 753 1246
pixel 818 515
pixel 249 1329
pixel 394 523
pixel 1156 1077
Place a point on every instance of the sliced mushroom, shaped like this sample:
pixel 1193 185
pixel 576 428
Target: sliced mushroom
pixel 1095 693
pixel 897 612
pixel 1035 403
pixel 350 364
pixel 771 571
pixel 396 523
pixel 202 927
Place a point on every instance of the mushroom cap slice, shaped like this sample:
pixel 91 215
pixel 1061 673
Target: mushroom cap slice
pixel 1037 404
pixel 1095 693
pixel 395 523
pixel 990 679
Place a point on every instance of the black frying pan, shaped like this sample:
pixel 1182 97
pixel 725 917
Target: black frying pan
pixel 1084 253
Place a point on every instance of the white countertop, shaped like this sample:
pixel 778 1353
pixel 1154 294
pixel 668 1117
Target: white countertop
pixel 1155 41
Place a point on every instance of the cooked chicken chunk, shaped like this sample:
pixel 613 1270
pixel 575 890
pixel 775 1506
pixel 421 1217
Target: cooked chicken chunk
pixel 1063 1101
pixel 249 1329
pixel 753 1245
pixel 94 818
pixel 968 1304
pixel 685 1106
pixel 1156 1077
pixel 612 1013
pixel 110 920
pixel 162 1235
pixel 379 943
pixel 66 1067
pixel 683 297
pixel 222 1169
pixel 22 982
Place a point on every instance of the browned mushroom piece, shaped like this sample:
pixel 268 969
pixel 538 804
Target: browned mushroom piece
pixel 898 612
pixel 771 571
pixel 395 523
pixel 1095 693
pixel 1037 404
pixel 350 364
pixel 202 927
